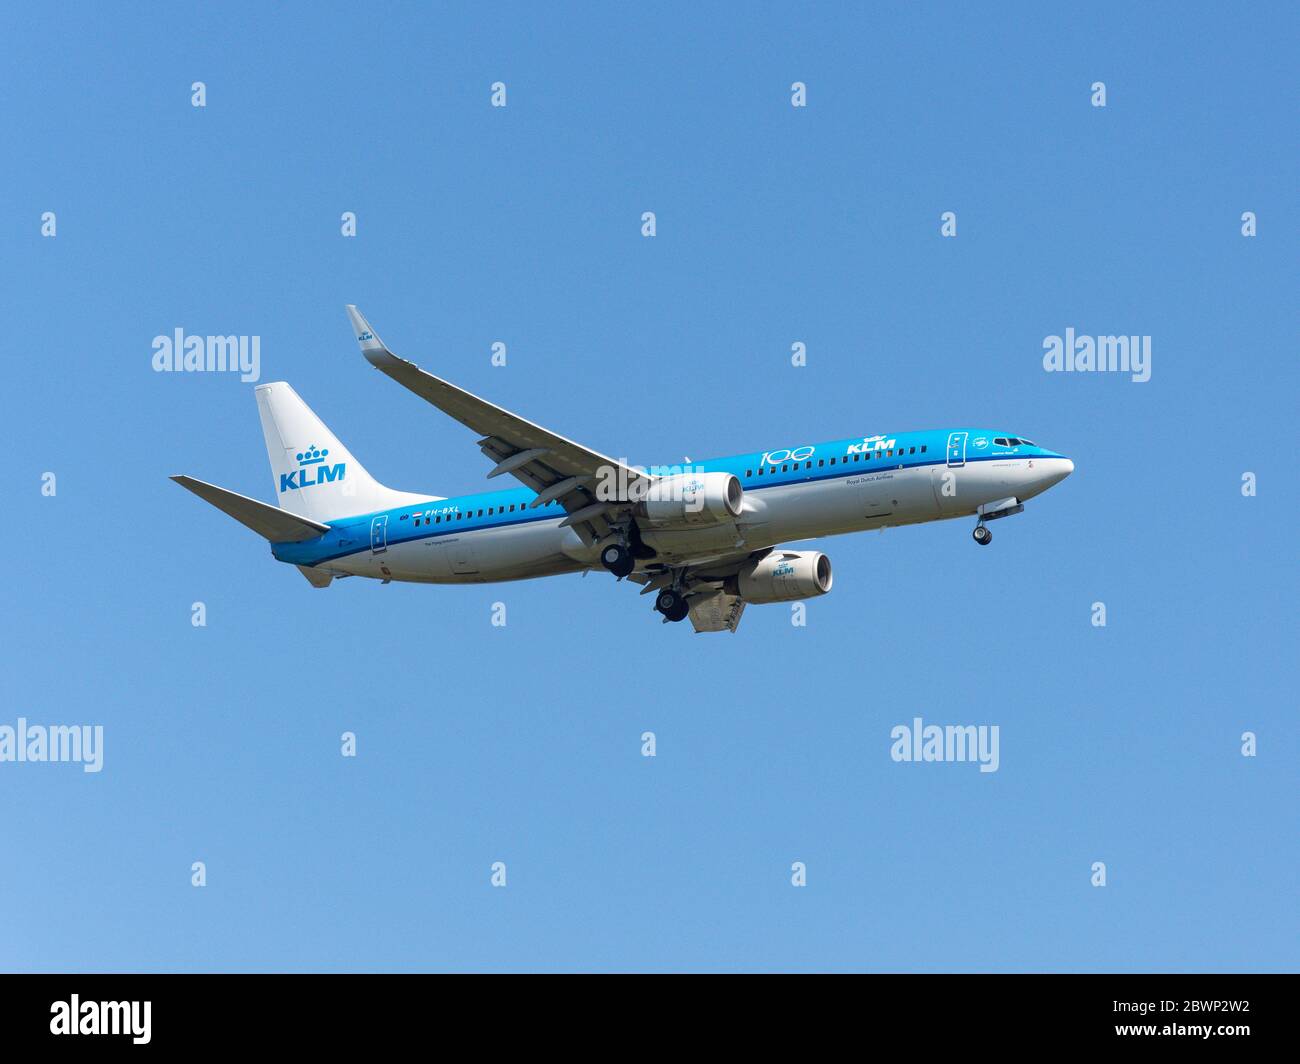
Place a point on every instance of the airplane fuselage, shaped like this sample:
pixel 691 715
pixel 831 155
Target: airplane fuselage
pixel 803 492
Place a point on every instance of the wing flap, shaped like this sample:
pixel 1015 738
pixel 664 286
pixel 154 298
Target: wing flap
pixel 716 612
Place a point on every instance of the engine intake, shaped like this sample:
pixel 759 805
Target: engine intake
pixel 784 576
pixel 688 499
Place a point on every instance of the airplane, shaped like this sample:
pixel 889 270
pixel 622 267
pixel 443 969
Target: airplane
pixel 703 538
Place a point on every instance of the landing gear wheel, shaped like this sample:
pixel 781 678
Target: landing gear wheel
pixel 982 536
pixel 617 559
pixel 672 605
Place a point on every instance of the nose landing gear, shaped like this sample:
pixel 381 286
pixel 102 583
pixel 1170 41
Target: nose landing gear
pixel 993 511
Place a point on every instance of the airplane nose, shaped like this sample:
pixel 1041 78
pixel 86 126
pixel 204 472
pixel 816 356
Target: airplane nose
pixel 1058 469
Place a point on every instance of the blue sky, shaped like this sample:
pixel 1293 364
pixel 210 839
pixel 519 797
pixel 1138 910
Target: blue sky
pixel 775 224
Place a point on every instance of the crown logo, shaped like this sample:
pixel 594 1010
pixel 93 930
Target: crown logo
pixel 311 456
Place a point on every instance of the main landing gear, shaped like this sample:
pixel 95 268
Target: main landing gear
pixel 617 559
pixel 672 604
pixel 982 536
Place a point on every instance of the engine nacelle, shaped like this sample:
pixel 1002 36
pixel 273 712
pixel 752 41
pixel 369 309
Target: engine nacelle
pixel 688 499
pixel 783 576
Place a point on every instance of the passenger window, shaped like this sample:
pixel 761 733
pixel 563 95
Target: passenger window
pixel 923 448
pixel 832 461
pixel 748 473
pixel 911 450
pixel 821 462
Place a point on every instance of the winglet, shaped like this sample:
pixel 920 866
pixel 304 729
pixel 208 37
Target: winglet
pixel 371 346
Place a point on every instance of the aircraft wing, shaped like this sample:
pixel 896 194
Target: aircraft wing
pixel 555 467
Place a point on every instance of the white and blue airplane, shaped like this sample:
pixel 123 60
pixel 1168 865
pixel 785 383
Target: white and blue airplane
pixel 704 539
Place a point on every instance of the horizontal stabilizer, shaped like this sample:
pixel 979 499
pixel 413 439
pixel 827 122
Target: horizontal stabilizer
pixel 279 526
pixel 316 577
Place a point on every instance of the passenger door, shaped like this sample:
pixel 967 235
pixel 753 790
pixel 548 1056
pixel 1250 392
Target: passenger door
pixel 379 534
pixel 956 449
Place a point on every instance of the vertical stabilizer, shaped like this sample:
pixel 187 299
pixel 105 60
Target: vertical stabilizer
pixel 314 474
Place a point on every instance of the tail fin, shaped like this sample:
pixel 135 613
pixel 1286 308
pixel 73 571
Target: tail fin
pixel 315 475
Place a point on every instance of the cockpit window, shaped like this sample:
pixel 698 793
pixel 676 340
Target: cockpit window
pixel 1001 441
